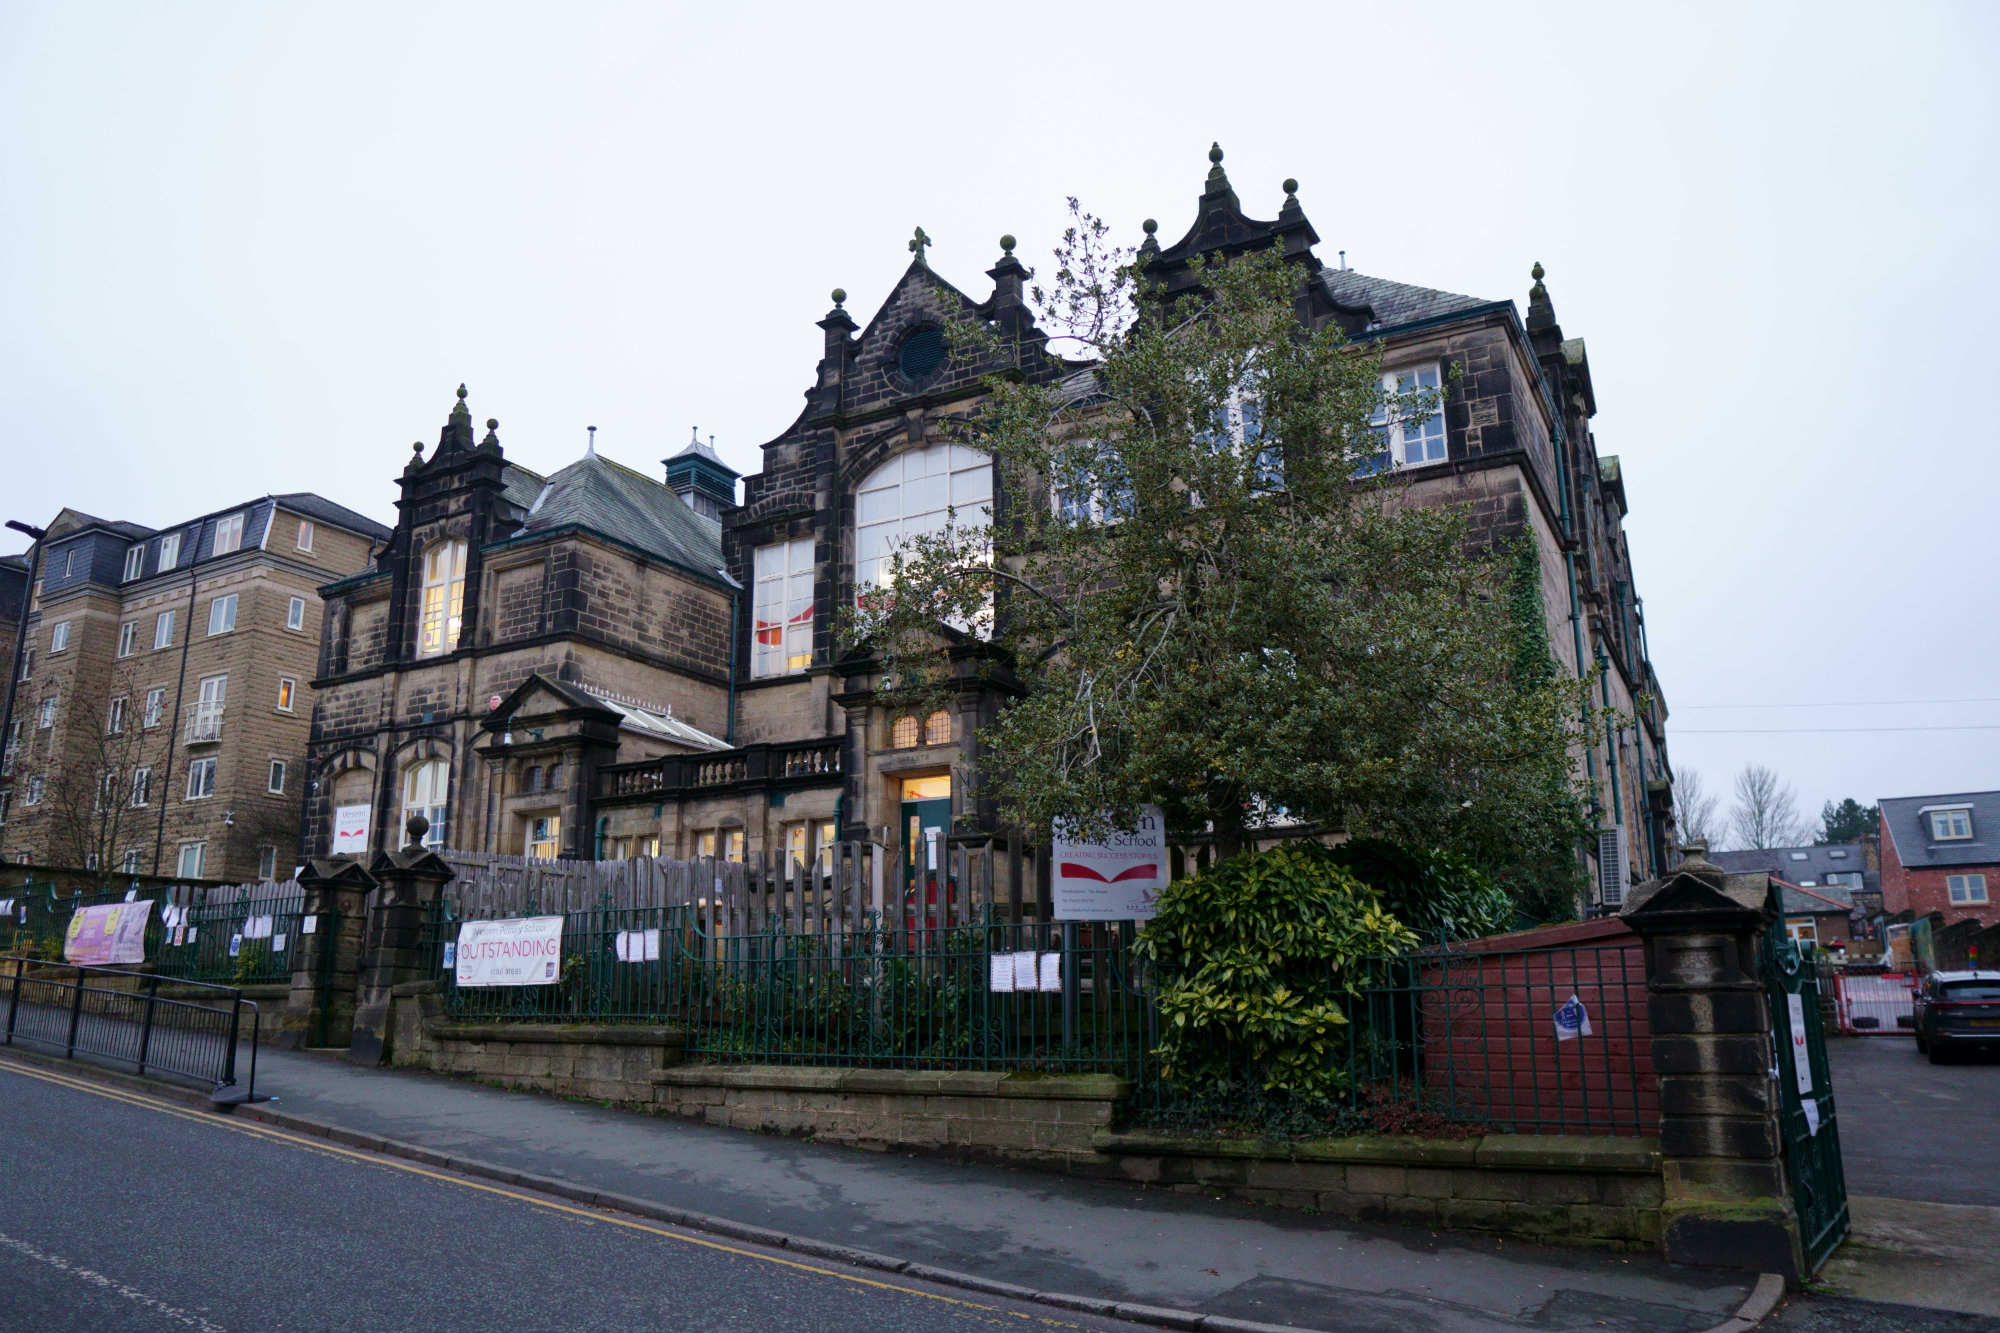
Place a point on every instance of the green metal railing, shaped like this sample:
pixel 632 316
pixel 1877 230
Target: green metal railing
pixel 248 942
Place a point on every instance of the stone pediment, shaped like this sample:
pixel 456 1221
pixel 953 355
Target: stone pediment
pixel 542 698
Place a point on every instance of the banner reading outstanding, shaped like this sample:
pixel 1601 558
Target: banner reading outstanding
pixel 515 951
pixel 109 935
pixel 1118 878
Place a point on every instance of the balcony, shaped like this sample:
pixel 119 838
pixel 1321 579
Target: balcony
pixel 204 724
pixel 794 764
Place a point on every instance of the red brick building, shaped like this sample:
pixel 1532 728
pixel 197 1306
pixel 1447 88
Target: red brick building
pixel 1942 854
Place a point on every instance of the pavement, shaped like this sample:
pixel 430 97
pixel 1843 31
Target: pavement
pixel 132 1213
pixel 1035 1232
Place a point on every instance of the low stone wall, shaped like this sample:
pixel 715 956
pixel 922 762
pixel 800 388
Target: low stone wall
pixel 1043 1119
pixel 597 1061
pixel 1547 1187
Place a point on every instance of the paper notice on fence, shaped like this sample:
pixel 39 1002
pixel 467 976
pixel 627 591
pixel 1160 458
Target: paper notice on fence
pixel 130 894
pixel 278 942
pixel 1000 972
pixel 1051 978
pixel 1116 879
pixel 180 936
pixel 1811 1107
pixel 6 907
pixel 451 955
pixel 257 928
pixel 515 951
pixel 235 945
pixel 108 935
pixel 1795 1008
pixel 1572 1020
pixel 308 924
pixel 1024 971
pixel 638 946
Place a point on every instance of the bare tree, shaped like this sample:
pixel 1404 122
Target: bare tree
pixel 101 793
pixel 1695 810
pixel 1766 813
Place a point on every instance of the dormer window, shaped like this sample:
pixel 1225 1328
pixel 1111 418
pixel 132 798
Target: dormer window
pixel 444 598
pixel 170 551
pixel 228 534
pixel 135 560
pixel 1951 823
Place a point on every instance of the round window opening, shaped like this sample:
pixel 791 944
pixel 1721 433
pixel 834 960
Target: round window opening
pixel 922 354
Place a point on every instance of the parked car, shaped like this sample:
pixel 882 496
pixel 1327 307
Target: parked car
pixel 1958 1011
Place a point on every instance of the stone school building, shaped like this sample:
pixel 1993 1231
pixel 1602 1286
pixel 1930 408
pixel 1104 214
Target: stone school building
pixel 599 664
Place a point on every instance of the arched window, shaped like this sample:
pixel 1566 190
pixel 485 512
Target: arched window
pixel 444 598
pixel 424 788
pixel 903 735
pixel 532 779
pixel 911 495
pixel 937 728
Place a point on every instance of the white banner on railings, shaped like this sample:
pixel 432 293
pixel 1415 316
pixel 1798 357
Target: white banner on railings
pixel 515 951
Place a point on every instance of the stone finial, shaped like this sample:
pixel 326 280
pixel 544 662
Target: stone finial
pixel 1149 226
pixel 1291 186
pixel 1007 243
pixel 918 244
pixel 1538 292
pixel 1537 271
pixel 416 827
pixel 459 408
pixel 417 448
pixel 1215 153
pixel 839 297
pixel 493 423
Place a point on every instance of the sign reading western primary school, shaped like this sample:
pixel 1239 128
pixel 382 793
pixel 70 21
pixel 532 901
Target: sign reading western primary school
pixel 517 951
pixel 350 830
pixel 1117 878
pixel 109 935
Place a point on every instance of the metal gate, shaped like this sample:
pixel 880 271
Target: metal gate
pixel 1806 1123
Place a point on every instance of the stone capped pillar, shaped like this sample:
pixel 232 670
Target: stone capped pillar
pixel 320 1009
pixel 393 951
pixel 1726 1201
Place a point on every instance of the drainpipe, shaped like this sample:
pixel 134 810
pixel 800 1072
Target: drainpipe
pixel 735 632
pixel 597 851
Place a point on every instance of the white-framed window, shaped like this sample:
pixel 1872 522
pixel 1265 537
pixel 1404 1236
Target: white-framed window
pixel 142 786
pixel 295 613
pixel 426 787
pixel 275 784
pixel 114 718
pixel 545 837
pixel 193 856
pixel 128 638
pixel 228 534
pixel 135 561
pixel 33 796
pixel 58 637
pixel 90 860
pixel 28 663
pixel 128 864
pixel 1966 889
pixel 1412 438
pixel 222 614
pixel 211 695
pixel 201 779
pixel 443 598
pixel 1952 825
pixel 912 495
pixel 170 551
pixel 69 562
pixel 163 630
pixel 305 542
pixel 106 794
pixel 782 637
pixel 287 691
pixel 267 863
pixel 1100 493
pixel 1239 427
pixel 156 702
pixel 48 713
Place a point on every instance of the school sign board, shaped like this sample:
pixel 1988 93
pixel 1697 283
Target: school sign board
pixel 350 830
pixel 108 936
pixel 1117 878
pixel 514 951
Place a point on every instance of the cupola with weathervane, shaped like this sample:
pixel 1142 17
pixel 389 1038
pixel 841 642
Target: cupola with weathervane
pixel 701 479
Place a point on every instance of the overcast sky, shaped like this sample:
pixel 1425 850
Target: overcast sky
pixel 253 248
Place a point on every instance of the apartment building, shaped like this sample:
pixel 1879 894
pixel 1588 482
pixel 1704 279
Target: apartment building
pixel 160 701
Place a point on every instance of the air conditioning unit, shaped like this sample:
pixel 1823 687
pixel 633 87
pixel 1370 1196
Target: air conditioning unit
pixel 1611 867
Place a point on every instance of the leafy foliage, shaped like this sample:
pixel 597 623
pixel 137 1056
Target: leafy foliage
pixel 1257 956
pixel 1429 891
pixel 1212 593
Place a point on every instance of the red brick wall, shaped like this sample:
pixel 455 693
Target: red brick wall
pixel 1488 1031
pixel 1923 891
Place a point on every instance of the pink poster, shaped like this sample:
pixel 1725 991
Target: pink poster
pixel 108 936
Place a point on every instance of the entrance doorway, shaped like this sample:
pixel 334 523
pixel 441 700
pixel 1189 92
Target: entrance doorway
pixel 926 825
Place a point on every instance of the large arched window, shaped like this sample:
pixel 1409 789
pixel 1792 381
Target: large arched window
pixel 911 495
pixel 444 598
pixel 424 790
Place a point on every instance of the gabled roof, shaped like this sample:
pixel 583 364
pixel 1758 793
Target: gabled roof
pixel 628 507
pixel 1394 303
pixel 1796 865
pixel 1813 902
pixel 1909 829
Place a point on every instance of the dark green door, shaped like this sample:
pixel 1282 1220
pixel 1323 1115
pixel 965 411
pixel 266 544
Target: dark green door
pixel 1806 1122
pixel 925 826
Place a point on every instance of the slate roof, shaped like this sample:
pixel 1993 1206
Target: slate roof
pixel 1395 302
pixel 613 501
pixel 1827 898
pixel 1910 830
pixel 323 510
pixel 1796 865
pixel 519 486
pixel 663 725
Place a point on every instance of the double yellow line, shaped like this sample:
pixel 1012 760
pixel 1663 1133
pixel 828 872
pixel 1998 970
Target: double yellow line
pixel 216 1121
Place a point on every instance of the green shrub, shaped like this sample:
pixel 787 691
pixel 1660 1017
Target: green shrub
pixel 1257 955
pixel 1429 891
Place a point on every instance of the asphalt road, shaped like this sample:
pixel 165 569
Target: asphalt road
pixel 120 1212
pixel 1910 1129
